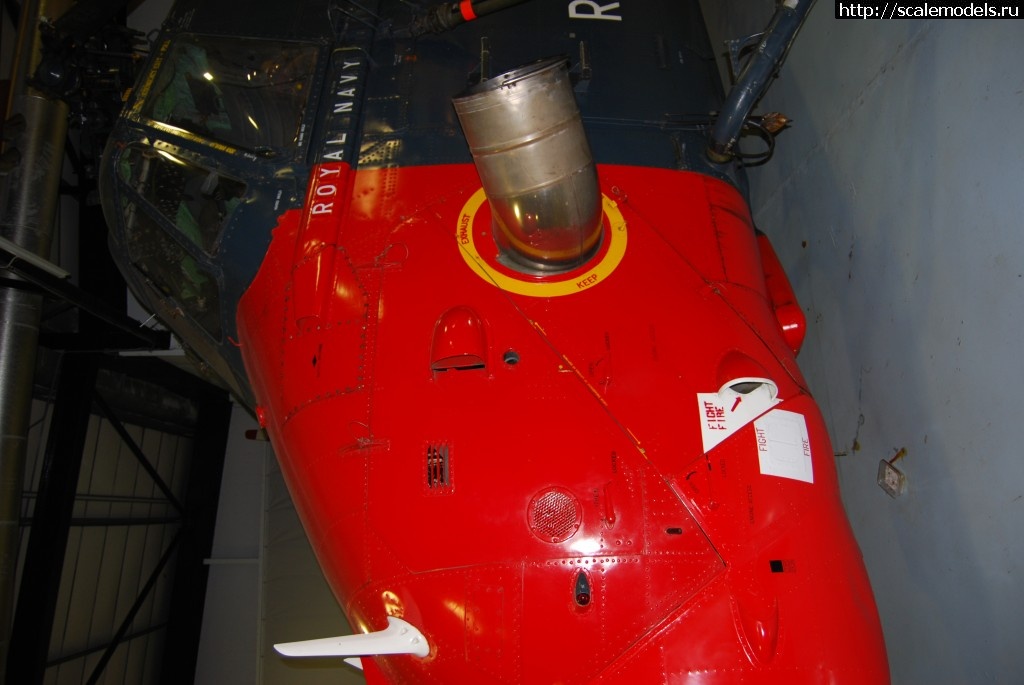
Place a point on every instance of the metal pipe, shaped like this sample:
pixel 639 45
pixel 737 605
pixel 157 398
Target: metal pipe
pixel 30 199
pixel 756 77
pixel 531 152
pixel 447 15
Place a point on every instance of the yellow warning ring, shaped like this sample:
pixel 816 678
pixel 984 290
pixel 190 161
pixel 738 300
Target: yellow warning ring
pixel 575 281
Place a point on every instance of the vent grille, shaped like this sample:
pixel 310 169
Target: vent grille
pixel 438 467
pixel 555 515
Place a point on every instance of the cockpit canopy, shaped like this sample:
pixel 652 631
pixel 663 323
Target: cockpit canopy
pixel 162 190
pixel 243 92
pixel 193 163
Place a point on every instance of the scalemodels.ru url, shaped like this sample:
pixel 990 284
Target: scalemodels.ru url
pixel 925 10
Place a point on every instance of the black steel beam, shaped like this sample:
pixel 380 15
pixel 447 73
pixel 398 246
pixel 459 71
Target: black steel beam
pixel 74 656
pixel 109 521
pixel 187 552
pixel 160 372
pixel 102 339
pixel 86 302
pixel 119 636
pixel 47 543
pixel 13 9
pixel 134 448
pixel 97 271
pixel 188 597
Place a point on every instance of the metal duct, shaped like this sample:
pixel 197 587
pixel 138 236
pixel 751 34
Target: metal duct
pixel 28 204
pixel 527 140
pixel 756 77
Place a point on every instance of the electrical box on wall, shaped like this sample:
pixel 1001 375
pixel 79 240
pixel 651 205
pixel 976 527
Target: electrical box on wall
pixel 891 479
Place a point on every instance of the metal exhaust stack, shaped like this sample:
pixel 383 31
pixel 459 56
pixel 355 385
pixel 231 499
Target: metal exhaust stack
pixel 527 139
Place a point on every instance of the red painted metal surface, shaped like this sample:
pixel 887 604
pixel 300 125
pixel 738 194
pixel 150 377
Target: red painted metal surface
pixel 561 510
pixel 787 310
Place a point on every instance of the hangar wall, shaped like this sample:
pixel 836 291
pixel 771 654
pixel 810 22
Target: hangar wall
pixel 264 586
pixel 895 203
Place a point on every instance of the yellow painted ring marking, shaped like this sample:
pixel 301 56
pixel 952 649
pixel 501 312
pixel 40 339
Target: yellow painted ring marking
pixel 575 281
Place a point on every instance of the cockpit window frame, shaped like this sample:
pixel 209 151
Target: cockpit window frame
pixel 284 61
pixel 249 168
pixel 189 276
pixel 197 199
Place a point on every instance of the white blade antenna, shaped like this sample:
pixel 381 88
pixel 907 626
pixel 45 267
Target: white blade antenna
pixel 400 637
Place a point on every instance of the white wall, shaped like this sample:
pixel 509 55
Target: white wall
pixel 896 204
pixel 264 585
pixel 297 603
pixel 229 642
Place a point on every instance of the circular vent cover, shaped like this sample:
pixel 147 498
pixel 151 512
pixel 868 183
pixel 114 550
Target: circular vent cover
pixel 554 514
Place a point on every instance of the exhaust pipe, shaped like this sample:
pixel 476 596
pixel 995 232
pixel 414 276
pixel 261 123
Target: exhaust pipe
pixel 527 140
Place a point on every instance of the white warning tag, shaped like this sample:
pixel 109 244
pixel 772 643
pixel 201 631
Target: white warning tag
pixel 783 445
pixel 735 405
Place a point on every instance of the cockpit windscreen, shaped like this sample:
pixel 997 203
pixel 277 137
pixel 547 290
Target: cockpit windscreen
pixel 242 92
